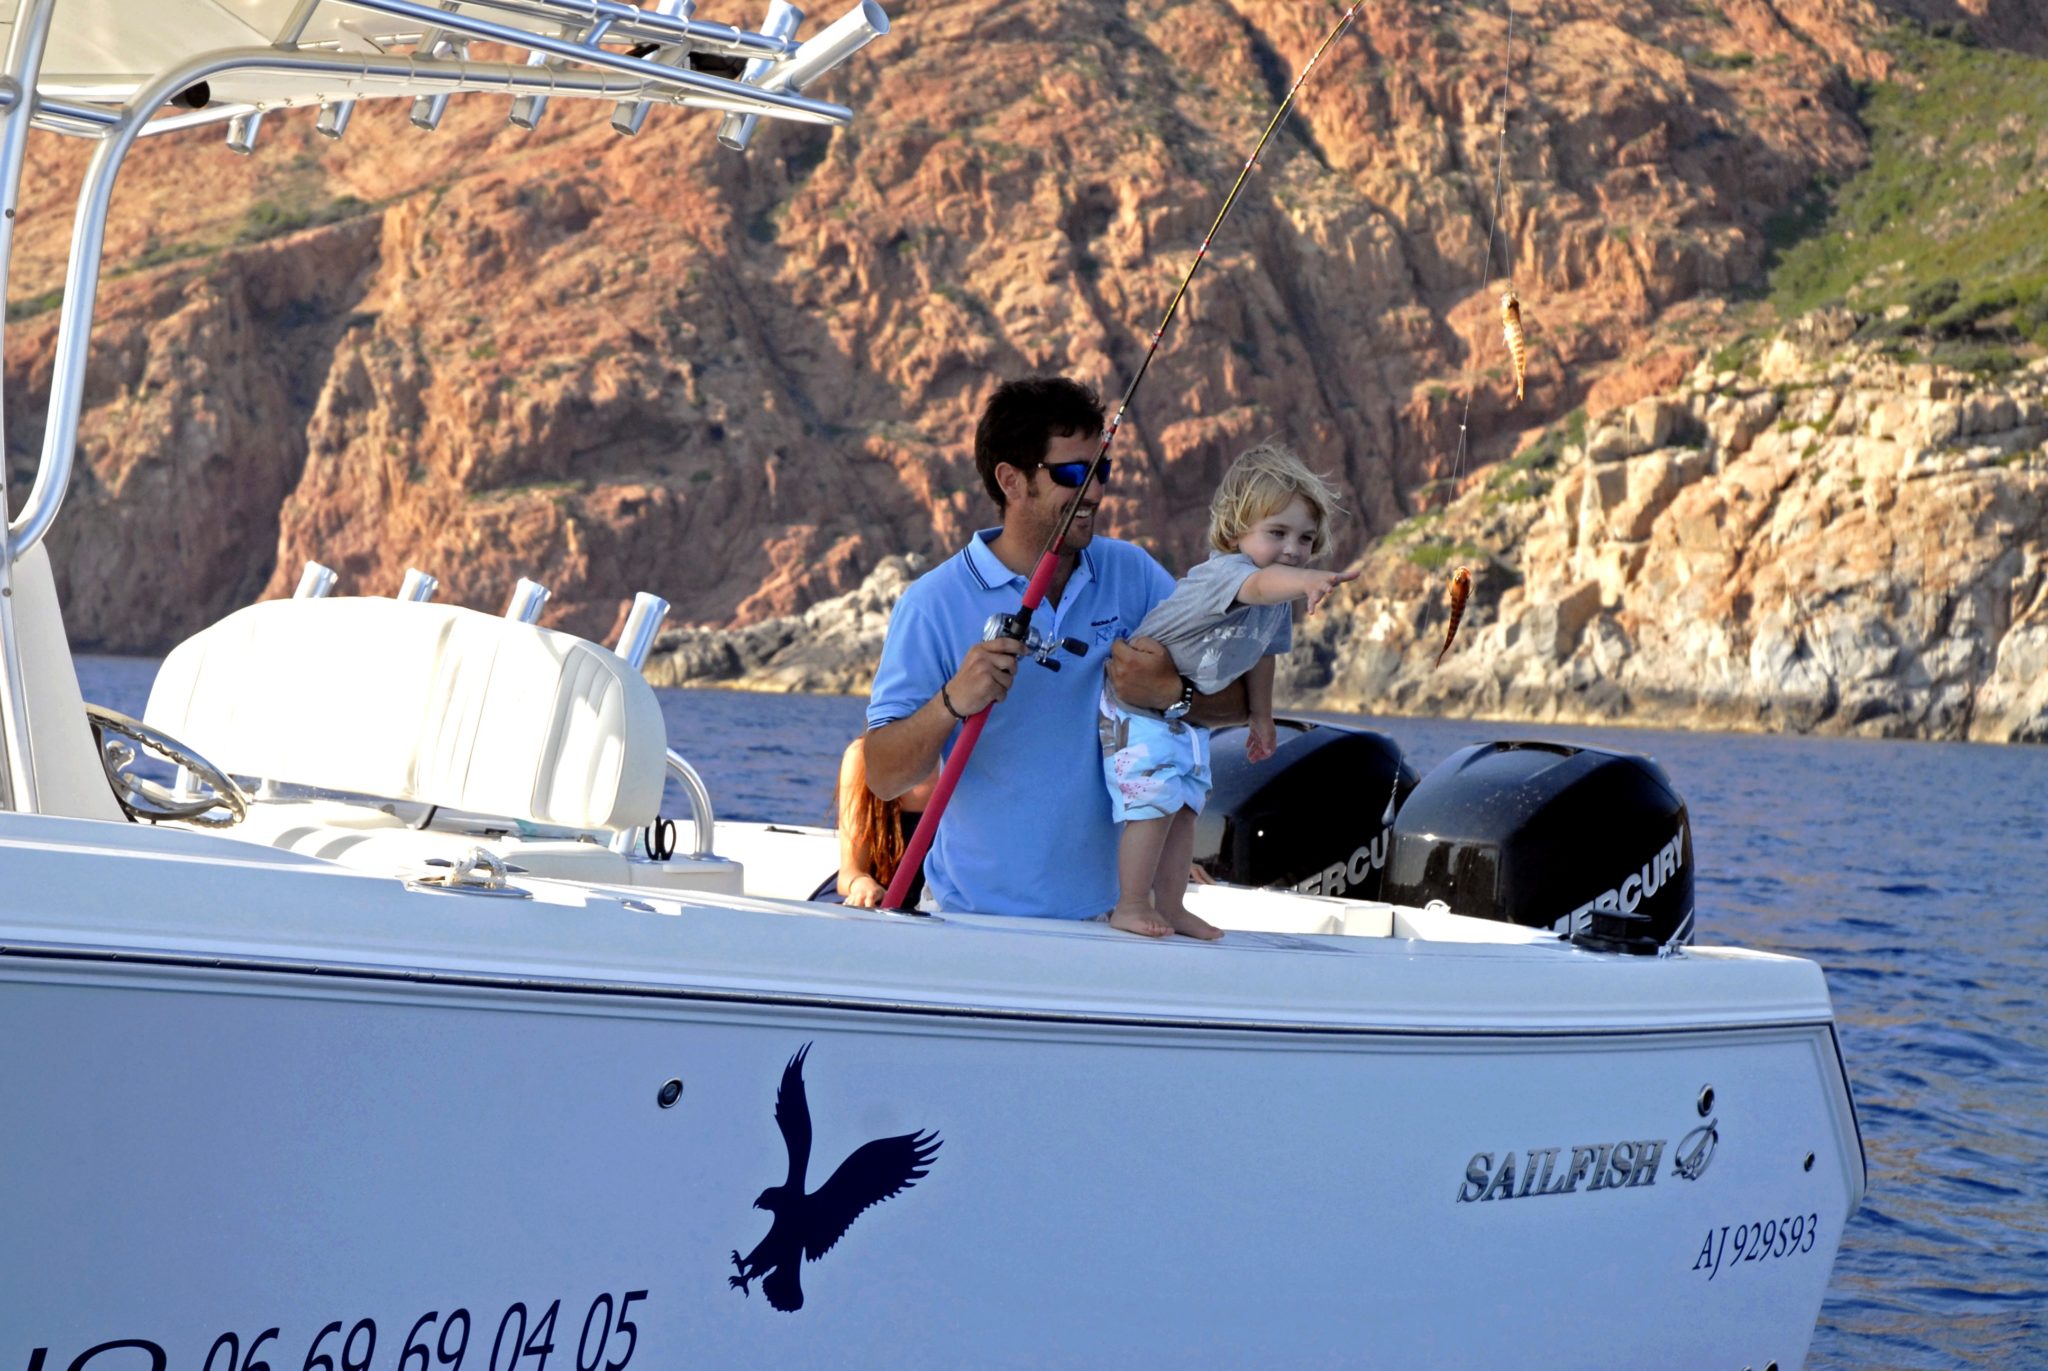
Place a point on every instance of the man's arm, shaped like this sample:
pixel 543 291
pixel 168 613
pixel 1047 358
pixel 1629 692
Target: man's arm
pixel 1143 674
pixel 906 751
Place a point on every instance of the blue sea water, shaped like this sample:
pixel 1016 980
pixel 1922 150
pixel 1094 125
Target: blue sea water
pixel 1916 874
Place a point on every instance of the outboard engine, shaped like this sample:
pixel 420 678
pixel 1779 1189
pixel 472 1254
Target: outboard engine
pixel 1313 816
pixel 1591 843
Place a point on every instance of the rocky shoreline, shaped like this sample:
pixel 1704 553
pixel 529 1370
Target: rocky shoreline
pixel 1819 540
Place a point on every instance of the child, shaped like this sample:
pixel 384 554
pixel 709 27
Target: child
pixel 1230 615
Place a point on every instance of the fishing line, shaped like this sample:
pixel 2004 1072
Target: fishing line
pixel 1500 160
pixel 1048 562
pixel 1492 228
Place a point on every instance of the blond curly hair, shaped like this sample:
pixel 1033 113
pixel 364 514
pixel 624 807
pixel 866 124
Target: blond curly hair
pixel 1261 483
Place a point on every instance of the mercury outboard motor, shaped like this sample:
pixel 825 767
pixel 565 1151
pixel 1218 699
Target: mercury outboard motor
pixel 1313 816
pixel 1593 844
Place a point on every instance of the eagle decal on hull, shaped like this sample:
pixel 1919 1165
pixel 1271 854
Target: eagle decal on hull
pixel 807 1226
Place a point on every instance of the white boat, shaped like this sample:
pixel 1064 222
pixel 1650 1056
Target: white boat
pixel 427 1064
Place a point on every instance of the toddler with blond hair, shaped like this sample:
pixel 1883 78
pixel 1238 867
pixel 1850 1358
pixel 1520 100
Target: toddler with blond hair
pixel 1230 616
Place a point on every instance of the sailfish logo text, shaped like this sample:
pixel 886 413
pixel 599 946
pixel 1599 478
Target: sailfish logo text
pixel 1601 1166
pixel 807 1226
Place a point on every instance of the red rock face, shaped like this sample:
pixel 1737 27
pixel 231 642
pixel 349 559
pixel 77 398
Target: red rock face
pixel 742 381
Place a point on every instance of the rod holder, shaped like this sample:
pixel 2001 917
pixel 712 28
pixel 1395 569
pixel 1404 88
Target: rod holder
pixel 630 115
pixel 827 48
pixel 316 582
pixel 735 131
pixel 643 621
pixel 334 117
pixel 242 131
pixel 417 586
pixel 527 109
pixel 428 109
pixel 528 599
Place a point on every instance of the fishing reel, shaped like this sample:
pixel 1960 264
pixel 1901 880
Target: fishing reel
pixel 1039 647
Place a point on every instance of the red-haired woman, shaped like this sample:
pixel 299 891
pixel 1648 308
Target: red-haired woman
pixel 873 833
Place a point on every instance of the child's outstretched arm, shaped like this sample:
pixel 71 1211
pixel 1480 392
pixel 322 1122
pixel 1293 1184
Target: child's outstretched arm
pixel 1276 585
pixel 1261 740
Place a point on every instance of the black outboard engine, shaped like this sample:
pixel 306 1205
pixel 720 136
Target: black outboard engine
pixel 1593 844
pixel 1313 816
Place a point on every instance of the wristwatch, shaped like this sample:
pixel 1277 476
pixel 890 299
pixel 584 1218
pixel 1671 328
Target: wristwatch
pixel 1179 708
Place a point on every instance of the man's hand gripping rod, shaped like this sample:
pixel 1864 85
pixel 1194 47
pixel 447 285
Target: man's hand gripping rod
pixel 1018 625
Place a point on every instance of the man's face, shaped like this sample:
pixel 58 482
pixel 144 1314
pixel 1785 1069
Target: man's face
pixel 1036 512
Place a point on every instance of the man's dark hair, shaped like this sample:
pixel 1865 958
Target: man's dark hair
pixel 1020 419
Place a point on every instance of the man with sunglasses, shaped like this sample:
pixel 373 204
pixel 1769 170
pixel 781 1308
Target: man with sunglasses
pixel 1028 831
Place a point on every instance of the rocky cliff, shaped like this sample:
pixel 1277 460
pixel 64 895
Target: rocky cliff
pixel 745 382
pixel 1824 540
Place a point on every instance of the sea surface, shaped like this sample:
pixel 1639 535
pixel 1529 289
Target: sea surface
pixel 1916 874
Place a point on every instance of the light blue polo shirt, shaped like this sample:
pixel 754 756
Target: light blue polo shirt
pixel 1028 830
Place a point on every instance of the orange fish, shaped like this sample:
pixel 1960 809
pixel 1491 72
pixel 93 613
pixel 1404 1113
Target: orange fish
pixel 1518 342
pixel 1461 591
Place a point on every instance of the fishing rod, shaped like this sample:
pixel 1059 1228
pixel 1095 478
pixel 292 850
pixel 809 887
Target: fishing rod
pixel 1018 625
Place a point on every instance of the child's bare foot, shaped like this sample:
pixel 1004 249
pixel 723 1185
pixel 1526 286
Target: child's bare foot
pixel 1139 918
pixel 1190 925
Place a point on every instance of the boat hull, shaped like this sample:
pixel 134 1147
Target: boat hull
pixel 202 1152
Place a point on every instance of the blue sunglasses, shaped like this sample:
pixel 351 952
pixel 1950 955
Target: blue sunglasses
pixel 1071 474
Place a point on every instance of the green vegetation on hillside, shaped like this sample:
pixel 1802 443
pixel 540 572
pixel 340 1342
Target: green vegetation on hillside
pixel 1941 240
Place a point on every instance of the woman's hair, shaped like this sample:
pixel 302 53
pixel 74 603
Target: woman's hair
pixel 876 825
pixel 1261 483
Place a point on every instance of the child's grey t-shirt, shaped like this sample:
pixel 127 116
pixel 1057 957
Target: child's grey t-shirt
pixel 1212 643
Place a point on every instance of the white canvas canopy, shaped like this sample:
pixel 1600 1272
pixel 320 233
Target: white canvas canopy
pixel 106 52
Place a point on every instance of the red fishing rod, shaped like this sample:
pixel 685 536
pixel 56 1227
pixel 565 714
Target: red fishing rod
pixel 1018 625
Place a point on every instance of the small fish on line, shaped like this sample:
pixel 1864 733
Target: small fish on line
pixel 1517 341
pixel 1461 591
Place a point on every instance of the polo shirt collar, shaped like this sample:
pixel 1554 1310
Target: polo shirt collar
pixel 990 573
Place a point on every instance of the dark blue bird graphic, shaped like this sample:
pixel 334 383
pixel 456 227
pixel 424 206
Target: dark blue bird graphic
pixel 807 1226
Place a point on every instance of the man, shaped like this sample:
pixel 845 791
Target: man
pixel 1028 831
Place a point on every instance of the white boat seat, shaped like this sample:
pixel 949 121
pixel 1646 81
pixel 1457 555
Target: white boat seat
pixel 69 778
pixel 423 702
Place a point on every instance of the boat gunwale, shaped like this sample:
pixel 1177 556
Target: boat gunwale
pixel 652 991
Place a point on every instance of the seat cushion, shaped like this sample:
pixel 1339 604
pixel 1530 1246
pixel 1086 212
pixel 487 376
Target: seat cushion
pixel 411 701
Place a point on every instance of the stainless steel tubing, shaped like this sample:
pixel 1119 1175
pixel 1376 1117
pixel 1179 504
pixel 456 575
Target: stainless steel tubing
pixel 26 39
pixel 700 800
pixel 528 599
pixel 191 119
pixel 735 131
pixel 830 46
pixel 630 115
pixel 627 839
pixel 417 586
pixel 242 130
pixel 428 109
pixel 643 621
pixel 334 117
pixel 632 25
pixel 316 582
pixel 776 102
pixel 78 113
pixel 527 109
pixel 295 27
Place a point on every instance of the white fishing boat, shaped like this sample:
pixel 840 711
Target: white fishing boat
pixel 405 1040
